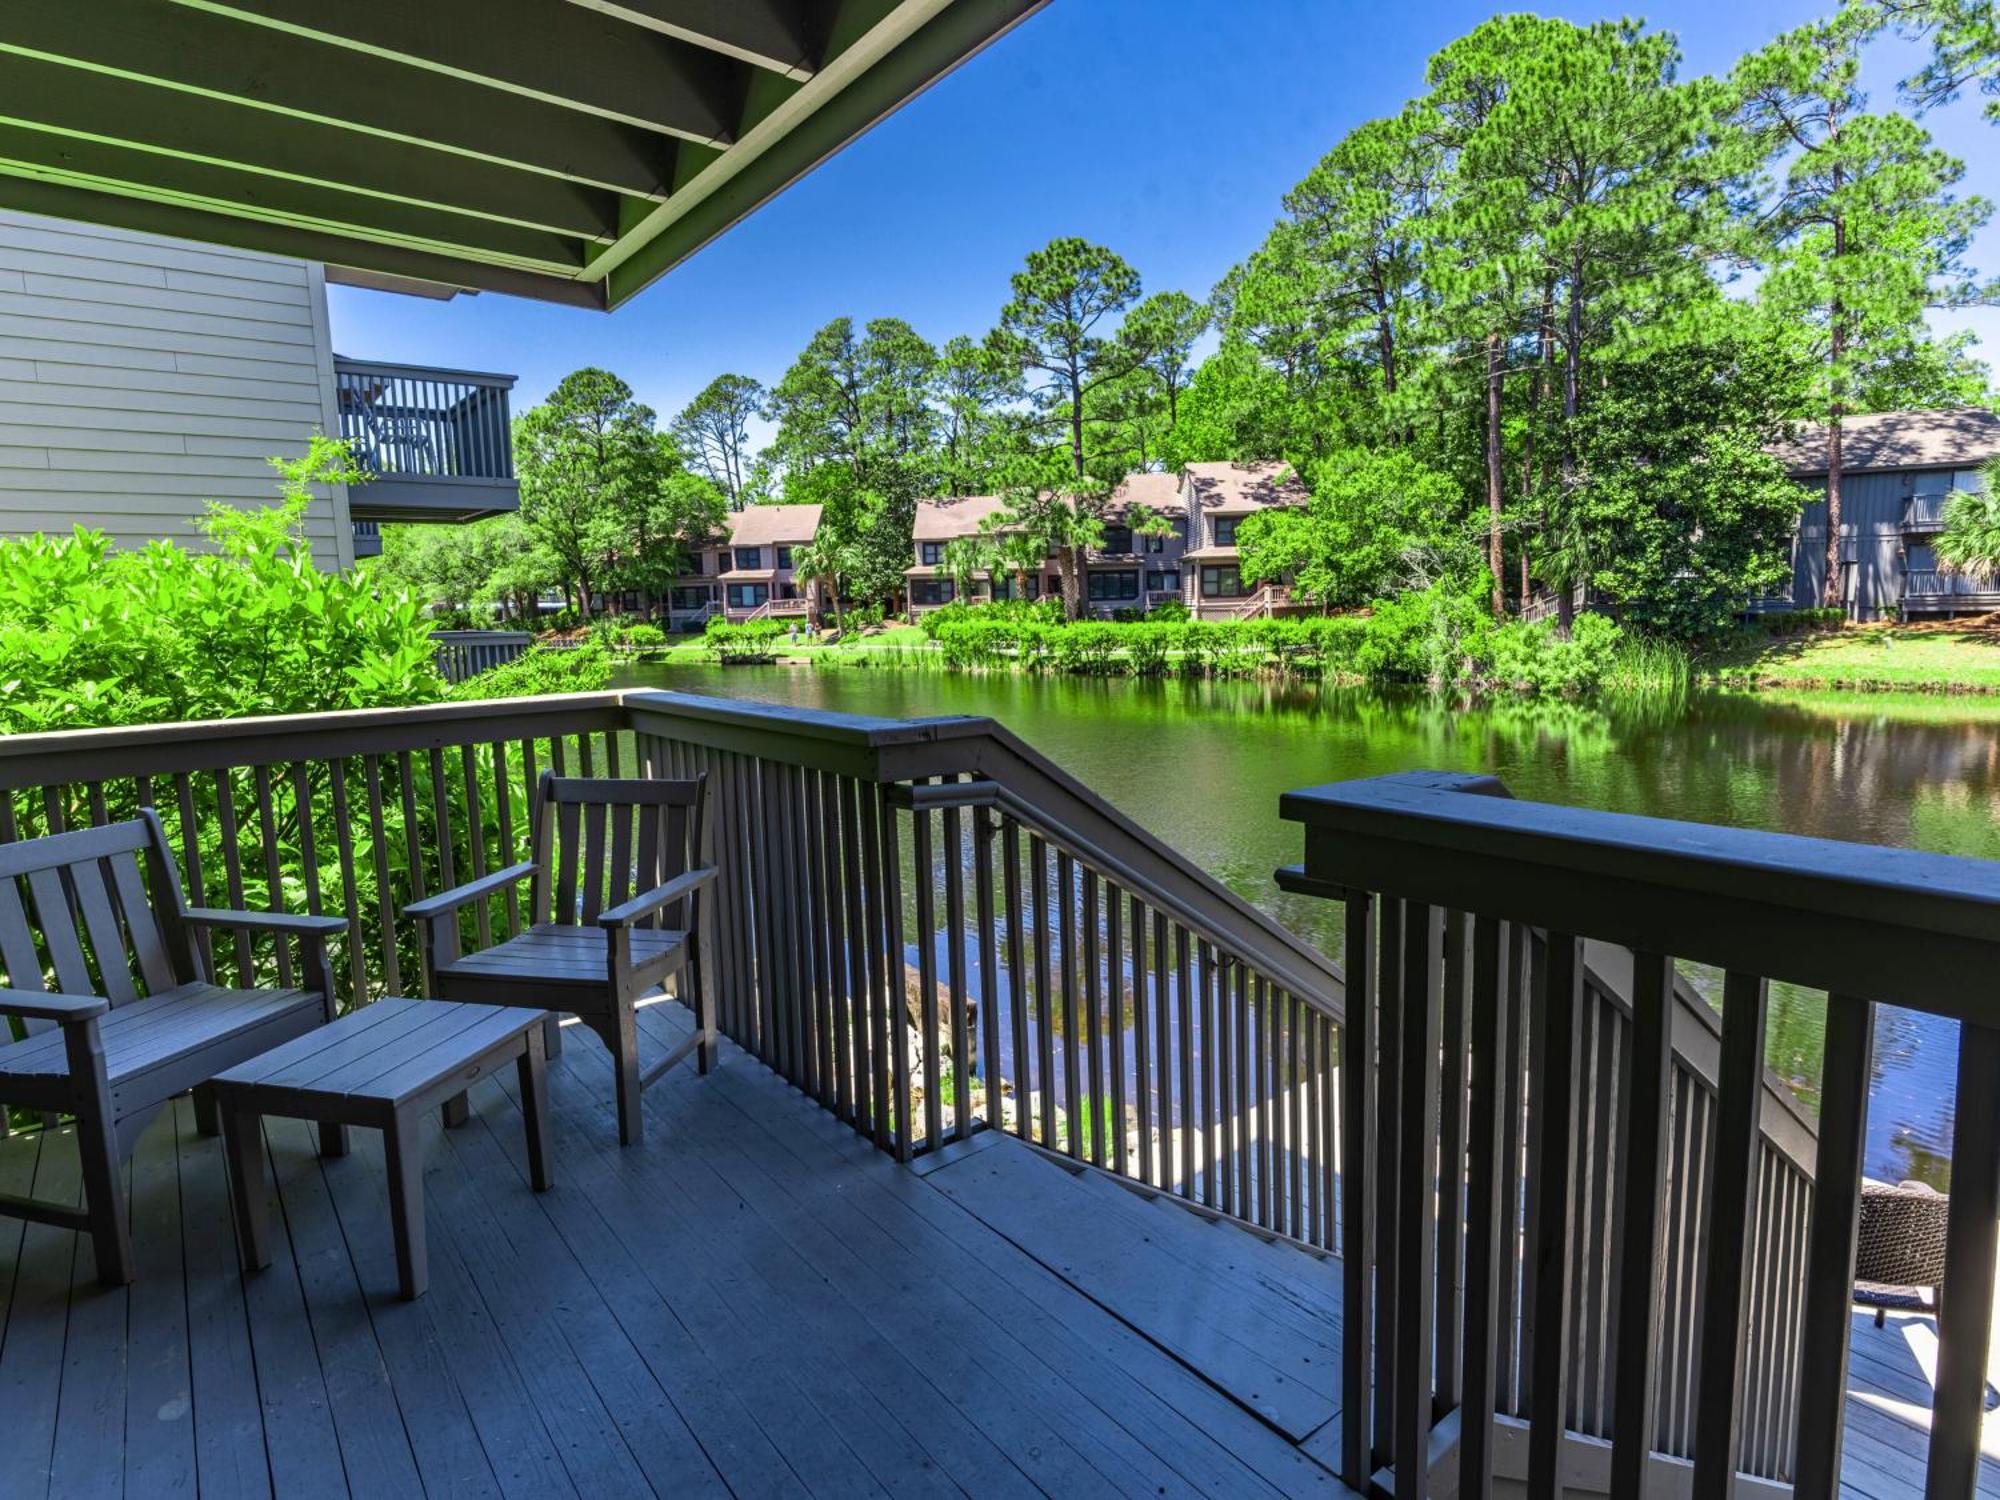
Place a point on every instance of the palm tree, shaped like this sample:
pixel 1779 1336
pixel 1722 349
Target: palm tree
pixel 1970 540
pixel 822 560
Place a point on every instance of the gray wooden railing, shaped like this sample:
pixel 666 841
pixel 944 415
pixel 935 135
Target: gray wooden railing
pixel 932 930
pixel 463 654
pixel 1639 1254
pixel 414 422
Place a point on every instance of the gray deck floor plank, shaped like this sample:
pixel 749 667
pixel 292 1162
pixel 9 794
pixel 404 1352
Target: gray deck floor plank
pixel 159 1390
pixel 754 1301
pixel 37 1326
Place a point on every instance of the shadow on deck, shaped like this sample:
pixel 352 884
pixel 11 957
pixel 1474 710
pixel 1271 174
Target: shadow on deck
pixel 753 1302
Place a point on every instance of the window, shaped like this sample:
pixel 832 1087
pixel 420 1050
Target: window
pixel 932 591
pixel 697 563
pixel 1225 530
pixel 748 595
pixel 1156 541
pixel 787 591
pixel 784 557
pixel 691 598
pixel 1117 541
pixel 1221 581
pixel 1922 558
pixel 749 557
pixel 930 554
pixel 1163 581
pixel 1005 588
pixel 1106 586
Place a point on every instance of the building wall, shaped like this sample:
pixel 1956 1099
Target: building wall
pixel 1876 547
pixel 141 376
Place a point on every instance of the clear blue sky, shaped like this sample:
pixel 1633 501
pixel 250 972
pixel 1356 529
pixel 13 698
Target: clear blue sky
pixel 1165 129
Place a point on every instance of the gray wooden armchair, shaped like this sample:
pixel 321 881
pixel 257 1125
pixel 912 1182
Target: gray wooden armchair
pixel 135 1016
pixel 614 913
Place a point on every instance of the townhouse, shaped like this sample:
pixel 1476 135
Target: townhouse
pixel 1218 498
pixel 749 572
pixel 1136 567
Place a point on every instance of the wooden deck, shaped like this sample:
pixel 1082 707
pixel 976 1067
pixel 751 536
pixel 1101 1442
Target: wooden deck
pixel 754 1302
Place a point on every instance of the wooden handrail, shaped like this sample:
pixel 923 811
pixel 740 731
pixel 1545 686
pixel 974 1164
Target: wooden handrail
pixel 1602 890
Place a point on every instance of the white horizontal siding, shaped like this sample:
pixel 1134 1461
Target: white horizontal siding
pixel 142 376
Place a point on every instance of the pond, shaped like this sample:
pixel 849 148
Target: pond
pixel 1201 764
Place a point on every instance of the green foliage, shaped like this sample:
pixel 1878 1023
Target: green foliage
pixel 1378 521
pixel 1970 541
pixel 1536 658
pixel 540 671
pixel 90 637
pixel 714 431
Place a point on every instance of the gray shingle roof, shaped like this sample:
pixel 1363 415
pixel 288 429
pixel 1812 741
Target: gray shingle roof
pixel 1958 439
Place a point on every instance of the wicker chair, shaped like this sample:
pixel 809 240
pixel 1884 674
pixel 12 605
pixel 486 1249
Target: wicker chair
pixel 1900 1250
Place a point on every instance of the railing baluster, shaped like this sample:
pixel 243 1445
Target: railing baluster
pixel 1388 1070
pixel 954 924
pixel 1419 1018
pixel 1644 1114
pixel 1972 1236
pixel 989 969
pixel 1017 982
pixel 1184 1005
pixel 860 947
pixel 1733 1203
pixel 1114 957
pixel 1558 995
pixel 232 867
pixel 1486 1229
pixel 1144 1107
pixel 350 890
pixel 1092 1116
pixel 1214 1150
pixel 1067 980
pixel 875 946
pixel 1242 1070
pixel 1163 1023
pixel 923 878
pixel 274 880
pixel 895 1008
pixel 1045 1029
pixel 1451 1161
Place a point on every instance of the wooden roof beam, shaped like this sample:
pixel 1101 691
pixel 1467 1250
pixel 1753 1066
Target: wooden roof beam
pixel 188 51
pixel 780 36
pixel 557 54
pixel 105 108
pixel 93 205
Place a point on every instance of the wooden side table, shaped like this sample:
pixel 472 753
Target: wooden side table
pixel 380 1066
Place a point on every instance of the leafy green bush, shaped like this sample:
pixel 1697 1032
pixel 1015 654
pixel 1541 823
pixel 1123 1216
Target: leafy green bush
pixel 1013 611
pixel 1167 611
pixel 91 637
pixel 540 670
pixel 645 636
pixel 1536 659
pixel 1435 635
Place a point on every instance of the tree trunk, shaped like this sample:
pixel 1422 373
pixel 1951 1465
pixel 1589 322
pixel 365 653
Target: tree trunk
pixel 1833 595
pixel 1069 560
pixel 1495 557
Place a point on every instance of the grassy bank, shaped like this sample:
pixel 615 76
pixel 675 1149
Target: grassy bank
pixel 1931 658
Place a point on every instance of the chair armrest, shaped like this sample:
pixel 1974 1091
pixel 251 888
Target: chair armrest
pixel 464 895
pixel 34 1005
pixel 683 885
pixel 303 924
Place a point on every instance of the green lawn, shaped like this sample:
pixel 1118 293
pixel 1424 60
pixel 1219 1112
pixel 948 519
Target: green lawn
pixel 1930 658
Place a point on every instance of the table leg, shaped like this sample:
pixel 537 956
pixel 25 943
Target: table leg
pixel 402 1146
pixel 457 1110
pixel 534 1071
pixel 243 1144
pixel 332 1139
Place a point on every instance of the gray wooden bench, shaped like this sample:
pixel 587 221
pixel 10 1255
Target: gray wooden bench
pixel 383 1066
pixel 135 1016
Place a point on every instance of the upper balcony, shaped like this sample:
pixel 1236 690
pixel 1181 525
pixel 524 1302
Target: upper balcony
pixel 437 442
pixel 1925 513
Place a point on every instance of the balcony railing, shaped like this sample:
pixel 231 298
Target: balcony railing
pixel 437 443
pixel 932 931
pixel 1924 512
pixel 1701 1263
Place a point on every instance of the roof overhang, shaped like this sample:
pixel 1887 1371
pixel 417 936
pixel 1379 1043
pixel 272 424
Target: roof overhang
pixel 571 150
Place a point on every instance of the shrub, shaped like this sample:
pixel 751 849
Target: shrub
pixel 1147 645
pixel 539 670
pixel 1536 659
pixel 1435 635
pixel 1167 611
pixel 645 636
